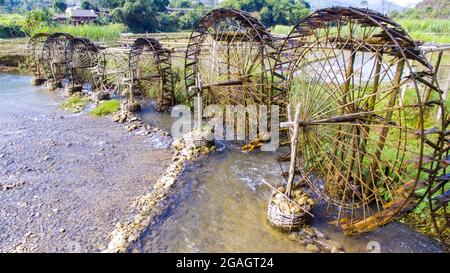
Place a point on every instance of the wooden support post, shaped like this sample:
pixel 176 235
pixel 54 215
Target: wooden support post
pixel 199 111
pixel 294 143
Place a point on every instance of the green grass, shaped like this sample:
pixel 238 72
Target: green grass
pixel 9 19
pixel 425 25
pixel 426 37
pixel 91 31
pixel 280 29
pixel 106 108
pixel 75 104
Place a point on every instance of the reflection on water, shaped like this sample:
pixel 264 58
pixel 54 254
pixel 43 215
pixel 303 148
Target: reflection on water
pixel 17 91
pixel 220 206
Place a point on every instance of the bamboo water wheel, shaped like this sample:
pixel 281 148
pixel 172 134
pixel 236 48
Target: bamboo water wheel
pixel 54 56
pixel 228 60
pixel 112 75
pixel 367 140
pixel 151 71
pixel 35 55
pixel 82 58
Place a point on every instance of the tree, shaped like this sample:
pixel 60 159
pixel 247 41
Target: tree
pixel 59 5
pixel 139 15
pixel 273 12
pixel 36 19
pixel 86 5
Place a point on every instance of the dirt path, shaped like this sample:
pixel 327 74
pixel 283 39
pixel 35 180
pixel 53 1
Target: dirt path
pixel 66 179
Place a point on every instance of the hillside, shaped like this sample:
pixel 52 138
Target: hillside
pixel 436 8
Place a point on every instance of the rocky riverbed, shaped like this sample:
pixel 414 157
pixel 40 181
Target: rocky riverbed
pixel 66 179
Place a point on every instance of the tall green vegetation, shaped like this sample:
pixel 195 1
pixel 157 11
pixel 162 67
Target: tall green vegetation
pixel 94 32
pixel 429 21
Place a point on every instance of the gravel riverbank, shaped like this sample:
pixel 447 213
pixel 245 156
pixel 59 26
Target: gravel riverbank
pixel 66 179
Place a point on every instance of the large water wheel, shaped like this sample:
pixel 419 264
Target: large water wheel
pixel 367 98
pixel 54 56
pixel 82 58
pixel 35 57
pixel 228 60
pixel 151 71
pixel 112 75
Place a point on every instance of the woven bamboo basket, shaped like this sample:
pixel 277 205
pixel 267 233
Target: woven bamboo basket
pixel 283 220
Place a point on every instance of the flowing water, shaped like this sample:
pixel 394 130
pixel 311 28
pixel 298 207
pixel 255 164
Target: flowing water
pixel 219 202
pixel 220 206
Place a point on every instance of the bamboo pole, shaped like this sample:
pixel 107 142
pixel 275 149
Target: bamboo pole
pixel 294 144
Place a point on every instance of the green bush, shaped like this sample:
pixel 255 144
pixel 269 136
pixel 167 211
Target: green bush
pixel 106 108
pixel 75 104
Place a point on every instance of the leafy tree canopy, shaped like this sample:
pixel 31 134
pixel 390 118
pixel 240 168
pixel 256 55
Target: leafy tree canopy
pixel 59 5
pixel 273 12
pixel 86 5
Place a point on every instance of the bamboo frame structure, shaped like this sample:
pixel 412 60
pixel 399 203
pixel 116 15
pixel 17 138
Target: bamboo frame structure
pixel 112 75
pixel 151 72
pixel 81 57
pixel 35 55
pixel 228 59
